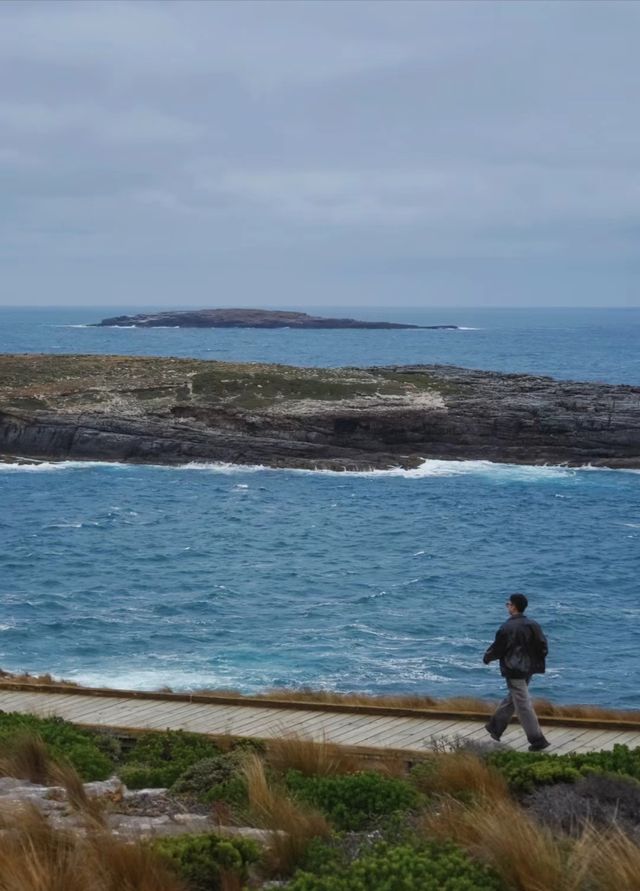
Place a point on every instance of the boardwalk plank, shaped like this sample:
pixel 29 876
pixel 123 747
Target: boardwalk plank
pixel 358 732
pixel 342 727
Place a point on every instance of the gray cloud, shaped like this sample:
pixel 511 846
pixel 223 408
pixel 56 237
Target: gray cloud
pixel 280 153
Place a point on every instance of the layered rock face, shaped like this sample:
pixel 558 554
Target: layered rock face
pixel 173 411
pixel 245 318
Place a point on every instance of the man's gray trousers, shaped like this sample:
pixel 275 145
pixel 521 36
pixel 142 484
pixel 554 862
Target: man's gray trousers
pixel 517 700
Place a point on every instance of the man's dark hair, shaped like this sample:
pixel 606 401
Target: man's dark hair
pixel 519 601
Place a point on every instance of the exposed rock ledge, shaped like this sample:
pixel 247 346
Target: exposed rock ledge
pixel 244 318
pixel 173 411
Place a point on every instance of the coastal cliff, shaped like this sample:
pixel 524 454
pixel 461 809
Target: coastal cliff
pixel 173 411
pixel 245 318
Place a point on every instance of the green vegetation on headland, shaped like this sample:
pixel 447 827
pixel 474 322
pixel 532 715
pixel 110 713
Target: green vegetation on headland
pixel 173 411
pixel 64 382
pixel 480 819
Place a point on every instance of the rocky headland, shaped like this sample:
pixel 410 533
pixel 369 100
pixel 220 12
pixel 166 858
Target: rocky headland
pixel 174 411
pixel 245 318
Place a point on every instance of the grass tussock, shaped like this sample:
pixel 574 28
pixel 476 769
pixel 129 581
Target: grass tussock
pixel 460 773
pixel 26 757
pixel 36 857
pixel 91 808
pixel 608 861
pixel 529 857
pixel 292 825
pixel 524 854
pixel 309 757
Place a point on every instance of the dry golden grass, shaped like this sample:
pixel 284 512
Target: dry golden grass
pixel 292 826
pixel 461 773
pixel 24 678
pixel 26 757
pixel 524 854
pixel 455 703
pixel 126 867
pixel 91 808
pixel 528 857
pixel 36 857
pixel 608 861
pixel 310 758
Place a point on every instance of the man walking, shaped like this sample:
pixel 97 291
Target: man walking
pixel 521 648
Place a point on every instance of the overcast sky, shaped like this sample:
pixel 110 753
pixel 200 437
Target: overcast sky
pixel 319 153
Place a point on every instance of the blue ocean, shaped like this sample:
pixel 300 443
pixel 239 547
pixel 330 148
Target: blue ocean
pixel 388 582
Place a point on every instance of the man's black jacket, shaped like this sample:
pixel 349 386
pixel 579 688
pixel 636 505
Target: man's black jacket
pixel 520 646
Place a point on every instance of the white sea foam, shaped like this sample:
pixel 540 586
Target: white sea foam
pixel 465 328
pixel 49 466
pixel 434 467
pixel 154 679
pixel 430 467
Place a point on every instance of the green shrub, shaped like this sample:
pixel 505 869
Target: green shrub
pixel 526 771
pixel 63 740
pixel 202 860
pixel 202 777
pixel 158 759
pixel 353 801
pixel 430 867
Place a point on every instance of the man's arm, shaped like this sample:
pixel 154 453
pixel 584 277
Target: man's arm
pixel 541 641
pixel 497 648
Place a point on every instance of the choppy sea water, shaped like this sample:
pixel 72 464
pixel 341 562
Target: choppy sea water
pixel 382 582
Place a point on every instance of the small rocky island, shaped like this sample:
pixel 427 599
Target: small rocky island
pixel 245 318
pixel 174 411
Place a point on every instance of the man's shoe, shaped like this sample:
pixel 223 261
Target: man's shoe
pixel 491 732
pixel 539 746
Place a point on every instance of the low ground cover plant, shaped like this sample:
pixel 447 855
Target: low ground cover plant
pixel 525 771
pixel 219 778
pixel 208 862
pixel 431 866
pixel 354 801
pixel 158 759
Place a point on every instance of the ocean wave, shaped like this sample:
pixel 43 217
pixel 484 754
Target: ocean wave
pixel 154 679
pixel 48 466
pixel 435 467
pixel 430 467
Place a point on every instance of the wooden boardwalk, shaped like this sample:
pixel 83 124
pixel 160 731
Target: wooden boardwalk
pixel 373 728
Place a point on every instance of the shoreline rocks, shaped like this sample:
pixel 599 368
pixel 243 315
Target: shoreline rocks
pixel 176 411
